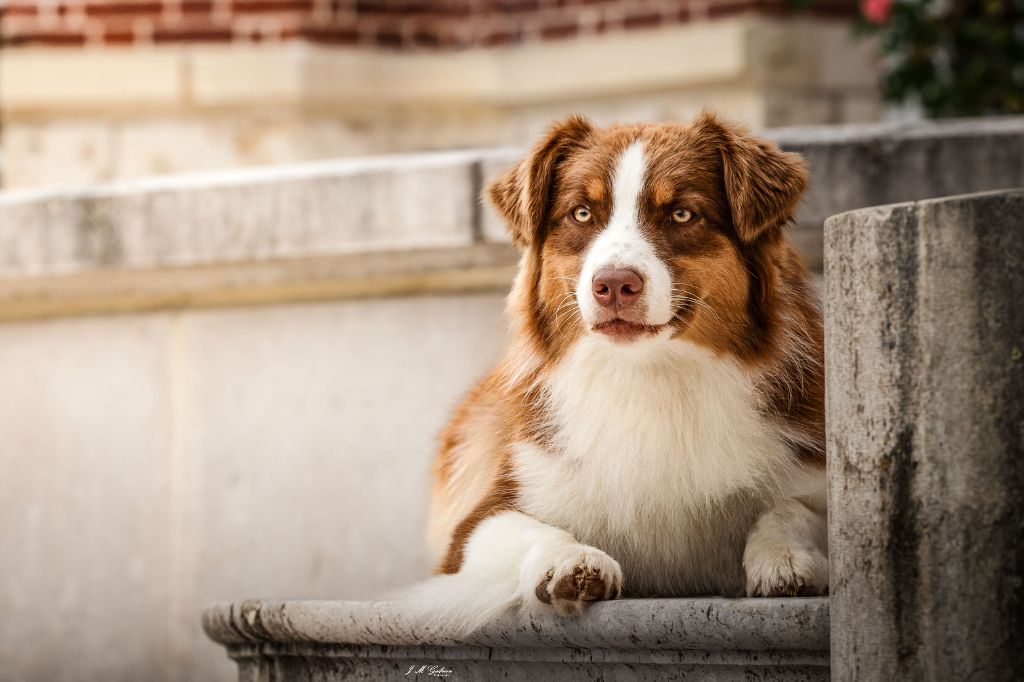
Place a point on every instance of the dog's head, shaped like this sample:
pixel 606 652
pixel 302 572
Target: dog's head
pixel 648 231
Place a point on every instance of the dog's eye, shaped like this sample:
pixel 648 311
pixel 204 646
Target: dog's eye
pixel 681 215
pixel 581 214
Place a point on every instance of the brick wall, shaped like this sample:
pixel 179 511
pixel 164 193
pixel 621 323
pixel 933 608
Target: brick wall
pixel 391 24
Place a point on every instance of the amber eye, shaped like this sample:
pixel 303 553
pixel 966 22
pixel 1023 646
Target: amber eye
pixel 581 214
pixel 681 215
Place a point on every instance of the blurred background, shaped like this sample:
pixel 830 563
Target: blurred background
pixel 244 275
pixel 110 89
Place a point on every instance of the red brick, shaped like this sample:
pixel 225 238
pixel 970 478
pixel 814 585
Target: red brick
pixel 196 6
pixel 389 6
pixel 49 38
pixel 642 20
pixel 559 31
pixel 393 24
pixel 331 35
pixel 271 6
pixel 431 24
pixel 118 38
pixel 151 7
pixel 415 7
pixel 500 7
pixel 192 34
pixel 501 37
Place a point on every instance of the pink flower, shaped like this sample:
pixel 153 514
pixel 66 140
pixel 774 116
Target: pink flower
pixel 876 11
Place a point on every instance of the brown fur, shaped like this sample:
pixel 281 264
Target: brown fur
pixel 733 255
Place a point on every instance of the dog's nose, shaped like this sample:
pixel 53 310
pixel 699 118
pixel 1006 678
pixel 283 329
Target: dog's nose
pixel 616 286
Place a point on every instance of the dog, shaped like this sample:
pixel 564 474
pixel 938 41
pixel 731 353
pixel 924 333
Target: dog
pixel 656 427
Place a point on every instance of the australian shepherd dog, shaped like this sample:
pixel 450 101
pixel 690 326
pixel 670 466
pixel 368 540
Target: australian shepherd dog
pixel 656 427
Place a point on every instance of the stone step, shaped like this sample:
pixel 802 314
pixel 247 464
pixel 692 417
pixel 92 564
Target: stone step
pixel 630 639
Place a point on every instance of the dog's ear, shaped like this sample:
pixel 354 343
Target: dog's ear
pixel 762 183
pixel 523 194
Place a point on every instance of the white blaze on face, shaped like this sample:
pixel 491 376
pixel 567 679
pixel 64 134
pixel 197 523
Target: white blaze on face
pixel 622 244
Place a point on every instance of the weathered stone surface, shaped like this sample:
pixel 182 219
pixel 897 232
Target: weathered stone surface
pixel 925 374
pixel 318 209
pixel 635 639
pixel 329 229
pixel 855 166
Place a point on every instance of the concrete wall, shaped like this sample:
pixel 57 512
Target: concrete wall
pixel 213 387
pixel 154 463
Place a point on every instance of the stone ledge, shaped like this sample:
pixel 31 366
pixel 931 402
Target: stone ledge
pixel 644 638
pixel 854 166
pixel 352 228
pixel 303 232
pixel 476 268
pixel 346 206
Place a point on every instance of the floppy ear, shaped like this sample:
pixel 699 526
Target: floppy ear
pixel 763 183
pixel 523 193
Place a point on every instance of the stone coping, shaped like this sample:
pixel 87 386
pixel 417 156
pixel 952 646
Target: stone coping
pixel 897 130
pixel 347 228
pixel 705 624
pixel 397 225
pixel 383 203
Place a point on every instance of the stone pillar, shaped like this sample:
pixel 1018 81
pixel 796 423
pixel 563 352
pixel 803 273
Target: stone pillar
pixel 925 382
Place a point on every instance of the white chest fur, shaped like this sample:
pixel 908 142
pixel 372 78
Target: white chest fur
pixel 661 458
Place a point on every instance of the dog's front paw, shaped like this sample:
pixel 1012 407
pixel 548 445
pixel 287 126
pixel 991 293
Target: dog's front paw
pixel 786 572
pixel 570 576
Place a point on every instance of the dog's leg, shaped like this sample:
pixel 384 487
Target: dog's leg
pixel 545 566
pixel 787 550
pixel 512 560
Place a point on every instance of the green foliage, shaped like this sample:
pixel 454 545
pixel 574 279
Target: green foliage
pixel 954 57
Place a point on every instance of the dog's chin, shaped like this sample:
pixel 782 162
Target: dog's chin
pixel 626 331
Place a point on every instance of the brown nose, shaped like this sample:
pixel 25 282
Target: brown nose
pixel 617 286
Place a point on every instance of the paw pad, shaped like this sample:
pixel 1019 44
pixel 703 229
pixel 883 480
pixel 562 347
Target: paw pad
pixel 583 583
